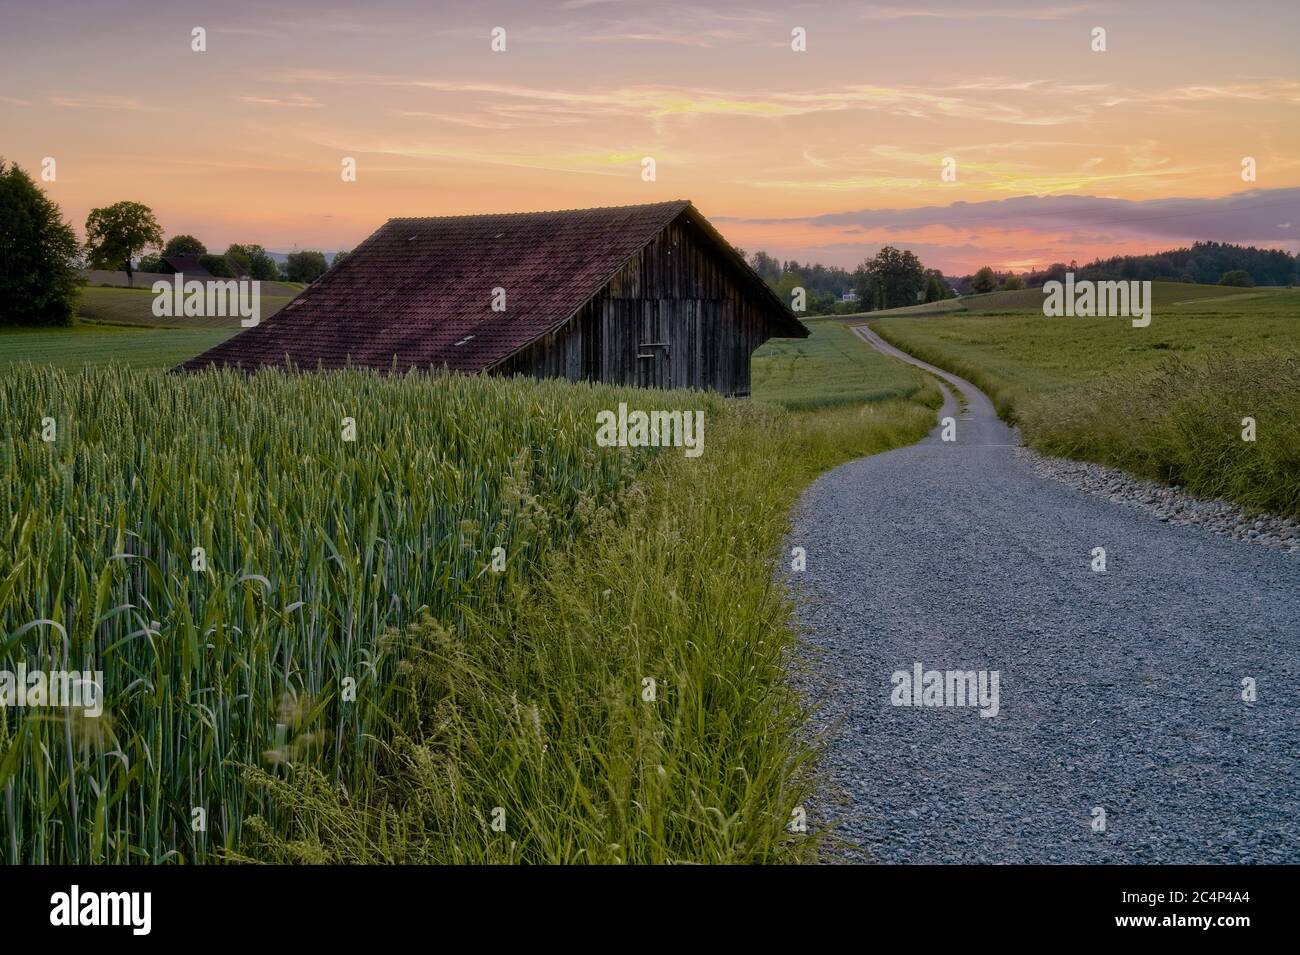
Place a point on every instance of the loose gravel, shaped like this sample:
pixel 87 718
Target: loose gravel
pixel 1172 504
pixel 1120 694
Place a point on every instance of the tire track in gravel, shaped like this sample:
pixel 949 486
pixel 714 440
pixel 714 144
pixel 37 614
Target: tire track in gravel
pixel 1120 690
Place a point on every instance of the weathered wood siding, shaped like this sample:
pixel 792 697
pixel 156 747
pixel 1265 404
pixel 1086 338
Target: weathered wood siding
pixel 672 317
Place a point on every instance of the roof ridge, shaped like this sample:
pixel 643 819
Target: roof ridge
pixel 683 203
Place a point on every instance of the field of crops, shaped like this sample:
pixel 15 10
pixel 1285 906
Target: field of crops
pixel 243 575
pixel 1166 401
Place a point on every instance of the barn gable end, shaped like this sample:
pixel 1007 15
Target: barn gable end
pixel 678 314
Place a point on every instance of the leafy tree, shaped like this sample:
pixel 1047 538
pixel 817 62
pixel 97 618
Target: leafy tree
pixel 936 286
pixel 116 234
pixel 826 285
pixel 217 266
pixel 265 268
pixel 1238 277
pixel 38 282
pixel 785 290
pixel 305 266
pixel 343 254
pixel 181 245
pixel 149 263
pixel 238 253
pixel 984 280
pixel 1014 283
pixel 821 303
pixel 766 266
pixel 256 261
pixel 892 279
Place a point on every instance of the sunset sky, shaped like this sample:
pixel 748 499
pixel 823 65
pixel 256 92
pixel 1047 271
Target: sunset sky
pixel 1061 152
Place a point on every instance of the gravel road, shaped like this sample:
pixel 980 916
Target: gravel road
pixel 1119 691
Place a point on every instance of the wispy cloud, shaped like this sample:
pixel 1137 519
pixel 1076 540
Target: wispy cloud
pixel 980 13
pixel 584 160
pixel 293 100
pixel 1251 215
pixel 658 102
pixel 1036 102
pixel 103 101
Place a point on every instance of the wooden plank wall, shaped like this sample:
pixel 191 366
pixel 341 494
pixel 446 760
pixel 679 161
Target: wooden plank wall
pixel 675 301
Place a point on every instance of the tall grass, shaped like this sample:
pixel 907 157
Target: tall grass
pixel 541 712
pixel 329 561
pixel 315 548
pixel 1183 425
pixel 1165 402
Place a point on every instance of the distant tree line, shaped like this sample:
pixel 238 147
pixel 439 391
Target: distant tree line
pixel 988 280
pixel 305 266
pixel 116 235
pixel 1205 263
pixel 888 280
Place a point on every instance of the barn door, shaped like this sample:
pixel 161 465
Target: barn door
pixel 653 367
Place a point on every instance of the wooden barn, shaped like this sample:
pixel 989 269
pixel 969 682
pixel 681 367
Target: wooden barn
pixel 645 295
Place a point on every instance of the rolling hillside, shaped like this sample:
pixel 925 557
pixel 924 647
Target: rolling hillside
pixel 1031 300
pixel 830 367
pixel 1165 402
pixel 121 306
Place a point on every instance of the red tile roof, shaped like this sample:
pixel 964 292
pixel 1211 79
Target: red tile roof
pixel 421 290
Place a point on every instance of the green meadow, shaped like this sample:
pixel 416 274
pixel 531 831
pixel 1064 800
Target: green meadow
pixel 833 366
pixel 1166 401
pixel 85 344
pixel 125 306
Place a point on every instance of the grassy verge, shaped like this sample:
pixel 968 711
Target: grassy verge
pixel 1183 424
pixel 541 714
pixel 1166 402
pixel 830 367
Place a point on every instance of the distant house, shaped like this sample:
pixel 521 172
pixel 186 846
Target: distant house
pixel 191 266
pixel 850 296
pixel 187 264
pixel 646 295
